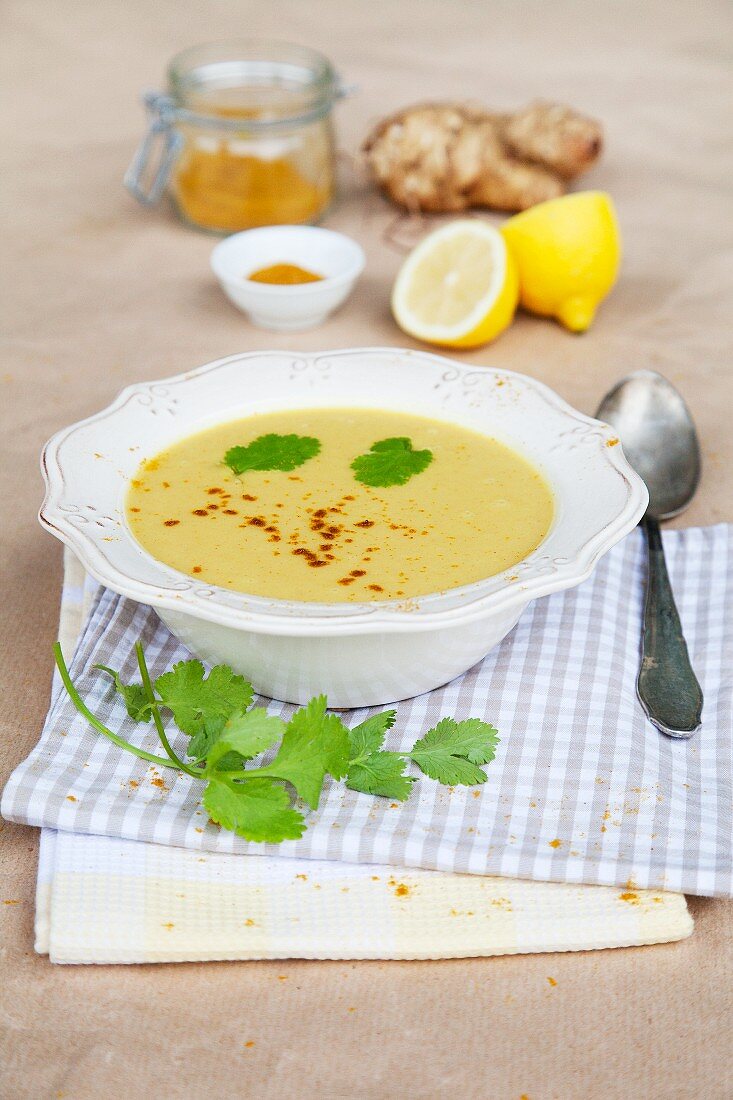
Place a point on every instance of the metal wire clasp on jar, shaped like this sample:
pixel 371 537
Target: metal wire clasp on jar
pixel 242 138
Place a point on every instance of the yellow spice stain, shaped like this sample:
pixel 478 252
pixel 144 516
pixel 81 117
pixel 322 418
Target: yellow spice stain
pixel 556 843
pixel 612 442
pixel 169 924
pixel 11 901
pixel 630 897
pixel 249 1044
pixel 70 798
pixel 552 982
pixel 249 923
pixel 401 889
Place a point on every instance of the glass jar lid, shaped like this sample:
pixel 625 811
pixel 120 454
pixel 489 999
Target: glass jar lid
pixel 251 85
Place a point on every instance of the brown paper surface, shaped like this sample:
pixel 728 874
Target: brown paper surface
pixel 98 292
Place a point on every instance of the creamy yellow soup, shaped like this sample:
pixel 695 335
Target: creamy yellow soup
pixel 316 533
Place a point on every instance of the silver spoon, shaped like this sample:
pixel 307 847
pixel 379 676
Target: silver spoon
pixel 659 440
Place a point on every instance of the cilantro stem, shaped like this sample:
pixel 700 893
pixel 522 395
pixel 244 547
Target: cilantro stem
pixel 266 770
pixel 240 773
pixel 360 759
pixel 93 720
pixel 145 675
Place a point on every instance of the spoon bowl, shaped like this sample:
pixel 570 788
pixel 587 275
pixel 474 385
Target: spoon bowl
pixel 659 439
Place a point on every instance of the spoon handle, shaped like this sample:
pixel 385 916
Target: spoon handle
pixel 667 686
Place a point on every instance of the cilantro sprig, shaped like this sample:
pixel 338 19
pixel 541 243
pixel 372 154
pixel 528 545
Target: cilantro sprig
pixel 451 752
pixel 390 462
pixel 226 734
pixel 272 452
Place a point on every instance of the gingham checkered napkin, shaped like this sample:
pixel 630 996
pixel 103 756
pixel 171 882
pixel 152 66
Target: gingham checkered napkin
pixel 583 788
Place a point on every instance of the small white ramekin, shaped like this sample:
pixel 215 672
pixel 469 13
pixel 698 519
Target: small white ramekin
pixel 356 653
pixel 338 258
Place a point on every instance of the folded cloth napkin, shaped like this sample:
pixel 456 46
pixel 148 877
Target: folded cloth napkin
pixel 583 789
pixel 106 900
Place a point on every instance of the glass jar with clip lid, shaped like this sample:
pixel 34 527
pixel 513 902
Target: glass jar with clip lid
pixel 242 137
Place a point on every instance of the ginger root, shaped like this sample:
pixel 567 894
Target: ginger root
pixel 449 157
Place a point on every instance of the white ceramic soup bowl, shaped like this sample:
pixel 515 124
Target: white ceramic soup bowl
pixel 357 653
pixel 334 256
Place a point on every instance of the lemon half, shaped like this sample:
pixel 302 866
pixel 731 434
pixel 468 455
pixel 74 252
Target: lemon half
pixel 568 252
pixel 458 288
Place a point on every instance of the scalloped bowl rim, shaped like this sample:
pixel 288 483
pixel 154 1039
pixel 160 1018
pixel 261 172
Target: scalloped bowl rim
pixel 297 619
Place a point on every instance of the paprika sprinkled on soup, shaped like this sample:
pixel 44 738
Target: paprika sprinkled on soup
pixel 339 505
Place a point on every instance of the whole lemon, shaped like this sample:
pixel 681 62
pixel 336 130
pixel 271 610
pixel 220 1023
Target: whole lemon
pixel 568 252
